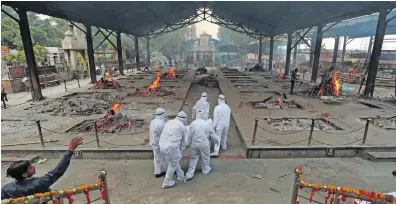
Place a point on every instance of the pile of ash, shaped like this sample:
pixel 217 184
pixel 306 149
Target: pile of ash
pixel 209 81
pixel 296 124
pixel 278 103
pixel 159 92
pixel 110 124
pixel 81 105
pixel 385 123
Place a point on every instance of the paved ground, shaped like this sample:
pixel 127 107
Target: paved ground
pixel 230 181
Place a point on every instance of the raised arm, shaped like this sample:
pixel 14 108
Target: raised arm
pixel 43 183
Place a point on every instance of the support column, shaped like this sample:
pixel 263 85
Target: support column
pixel 288 53
pixel 318 47
pixel 260 49
pixel 311 53
pixel 90 51
pixel 375 56
pixel 148 51
pixel 119 55
pixel 344 44
pixel 295 56
pixel 271 54
pixel 137 52
pixel 370 47
pixel 29 54
pixel 335 51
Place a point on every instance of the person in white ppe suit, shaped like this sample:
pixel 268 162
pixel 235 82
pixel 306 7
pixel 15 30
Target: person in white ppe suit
pixel 202 105
pixel 198 138
pixel 156 127
pixel 172 142
pixel 221 123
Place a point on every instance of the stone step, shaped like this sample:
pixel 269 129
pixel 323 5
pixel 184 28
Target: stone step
pixel 382 156
pixel 14 158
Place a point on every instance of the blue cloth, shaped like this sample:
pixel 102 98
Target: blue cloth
pixel 42 184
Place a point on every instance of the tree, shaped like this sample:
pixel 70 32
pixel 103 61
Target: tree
pixel 228 36
pixel 19 58
pixel 170 44
pixel 40 54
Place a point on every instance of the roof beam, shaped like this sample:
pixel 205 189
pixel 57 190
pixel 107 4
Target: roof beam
pixel 9 15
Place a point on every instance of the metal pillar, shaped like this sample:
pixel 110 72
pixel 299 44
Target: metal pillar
pixel 260 49
pixel 119 53
pixel 311 53
pixel 374 60
pixel 344 44
pixel 295 57
pixel 288 53
pixel 90 51
pixel 318 47
pixel 335 51
pixel 148 51
pixel 370 47
pixel 271 54
pixel 137 52
pixel 29 54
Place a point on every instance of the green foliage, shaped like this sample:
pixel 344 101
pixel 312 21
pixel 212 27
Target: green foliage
pixel 170 44
pixel 40 54
pixel 47 32
pixel 19 58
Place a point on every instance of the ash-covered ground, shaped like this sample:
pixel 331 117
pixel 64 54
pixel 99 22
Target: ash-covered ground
pixel 285 125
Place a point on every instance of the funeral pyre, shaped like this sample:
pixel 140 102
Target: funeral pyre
pixel 330 87
pixel 154 89
pixel 277 103
pixel 296 124
pixel 171 74
pixel 209 81
pixel 112 122
pixel 82 105
pixel 106 83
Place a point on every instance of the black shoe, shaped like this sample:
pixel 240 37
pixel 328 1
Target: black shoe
pixel 160 175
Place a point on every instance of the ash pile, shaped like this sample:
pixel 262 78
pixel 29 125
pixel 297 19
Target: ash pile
pixel 83 105
pixel 385 123
pixel 297 124
pixel 158 92
pixel 209 81
pixel 201 70
pixel 106 84
pixel 277 103
pixel 110 124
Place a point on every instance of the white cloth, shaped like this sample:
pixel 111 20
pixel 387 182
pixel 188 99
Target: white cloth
pixel 221 123
pixel 200 131
pixel 202 105
pixel 156 127
pixel 171 142
pixel 103 69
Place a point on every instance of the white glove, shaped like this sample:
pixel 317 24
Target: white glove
pixel 183 148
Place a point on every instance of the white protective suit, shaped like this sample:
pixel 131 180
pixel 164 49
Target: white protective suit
pixel 200 132
pixel 156 127
pixel 172 141
pixel 202 105
pixel 221 123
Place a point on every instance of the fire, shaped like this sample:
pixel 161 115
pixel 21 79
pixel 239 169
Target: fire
pixel 115 107
pixel 108 77
pixel 154 85
pixel 171 74
pixel 335 85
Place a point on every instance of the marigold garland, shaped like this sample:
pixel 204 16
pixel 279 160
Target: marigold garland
pixel 331 189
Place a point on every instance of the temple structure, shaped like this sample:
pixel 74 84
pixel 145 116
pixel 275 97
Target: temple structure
pixel 203 52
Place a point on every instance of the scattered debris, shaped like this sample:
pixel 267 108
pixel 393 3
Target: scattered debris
pixel 82 105
pixel 278 103
pixel 109 124
pixel 257 176
pixel 201 70
pixel 42 161
pixel 274 190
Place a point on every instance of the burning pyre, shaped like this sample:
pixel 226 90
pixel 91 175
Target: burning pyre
pixel 112 122
pixel 277 103
pixel 331 87
pixel 155 88
pixel 106 83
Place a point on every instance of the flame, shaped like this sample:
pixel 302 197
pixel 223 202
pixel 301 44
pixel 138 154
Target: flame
pixel 335 85
pixel 171 74
pixel 108 77
pixel 115 107
pixel 280 76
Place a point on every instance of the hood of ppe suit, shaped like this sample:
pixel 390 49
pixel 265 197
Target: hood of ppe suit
pixel 221 99
pixel 204 96
pixel 160 114
pixel 182 116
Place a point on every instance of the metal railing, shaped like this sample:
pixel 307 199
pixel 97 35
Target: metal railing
pixel 310 136
pixel 58 196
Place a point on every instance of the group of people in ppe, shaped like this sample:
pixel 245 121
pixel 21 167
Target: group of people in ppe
pixel 169 139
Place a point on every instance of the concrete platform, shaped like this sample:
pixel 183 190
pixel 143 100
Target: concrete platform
pixel 382 156
pixel 14 158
